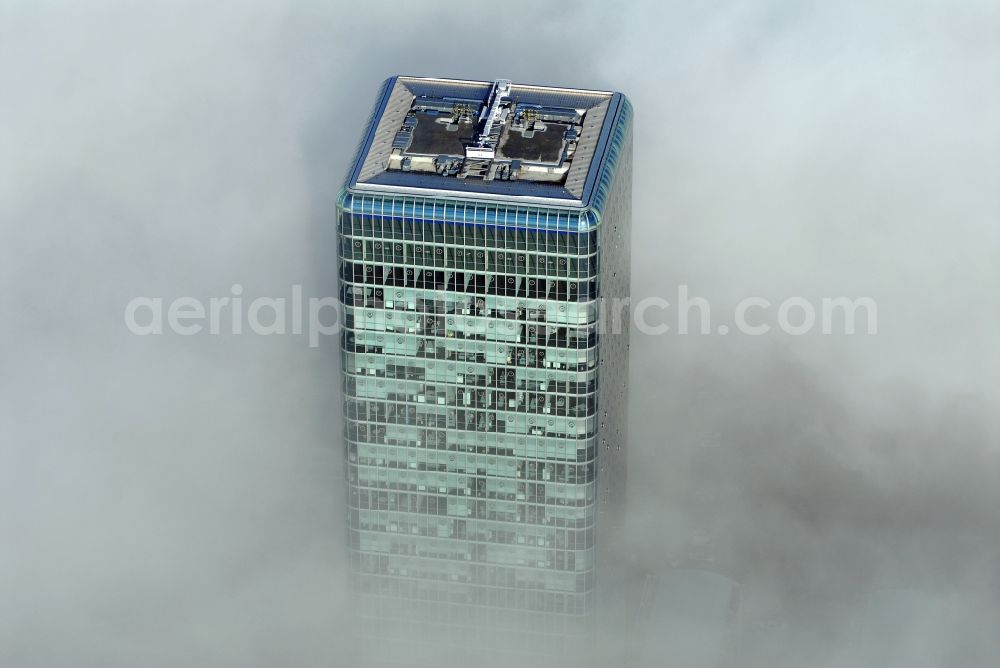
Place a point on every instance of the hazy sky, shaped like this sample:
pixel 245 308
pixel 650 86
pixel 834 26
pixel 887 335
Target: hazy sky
pixel 171 499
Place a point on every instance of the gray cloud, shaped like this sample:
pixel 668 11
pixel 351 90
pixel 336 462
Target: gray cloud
pixel 172 499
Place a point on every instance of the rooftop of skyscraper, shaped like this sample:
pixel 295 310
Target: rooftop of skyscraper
pixel 499 139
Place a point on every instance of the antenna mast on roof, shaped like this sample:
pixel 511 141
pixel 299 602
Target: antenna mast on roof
pixel 491 119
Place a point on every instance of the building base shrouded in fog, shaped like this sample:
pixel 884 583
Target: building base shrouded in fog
pixel 484 245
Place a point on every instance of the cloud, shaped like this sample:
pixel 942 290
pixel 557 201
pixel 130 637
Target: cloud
pixel 178 499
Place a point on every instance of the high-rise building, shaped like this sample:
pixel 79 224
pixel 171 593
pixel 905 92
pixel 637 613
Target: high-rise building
pixel 484 232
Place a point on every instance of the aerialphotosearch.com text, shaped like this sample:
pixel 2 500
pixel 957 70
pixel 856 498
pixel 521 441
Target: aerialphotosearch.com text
pixel 316 317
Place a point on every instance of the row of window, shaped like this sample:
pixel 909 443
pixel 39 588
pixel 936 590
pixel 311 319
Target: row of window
pixel 496 377
pixel 386 534
pixel 419 459
pixel 483 420
pixel 471 327
pixel 436 348
pixel 459 557
pixel 459 441
pixel 459 487
pixel 385 410
pixel 476 574
pixel 417 395
pixel 470 479
pixel 528 240
pixel 418 256
pixel 463 530
pixel 471 283
pixel 458 507
pixel 564 561
pixel 499 307
pixel 483 464
pixel 526 572
pixel 440 499
pixel 475 375
pixel 554 448
pixel 482 375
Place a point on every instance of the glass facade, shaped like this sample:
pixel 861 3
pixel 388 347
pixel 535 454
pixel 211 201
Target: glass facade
pixel 484 400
